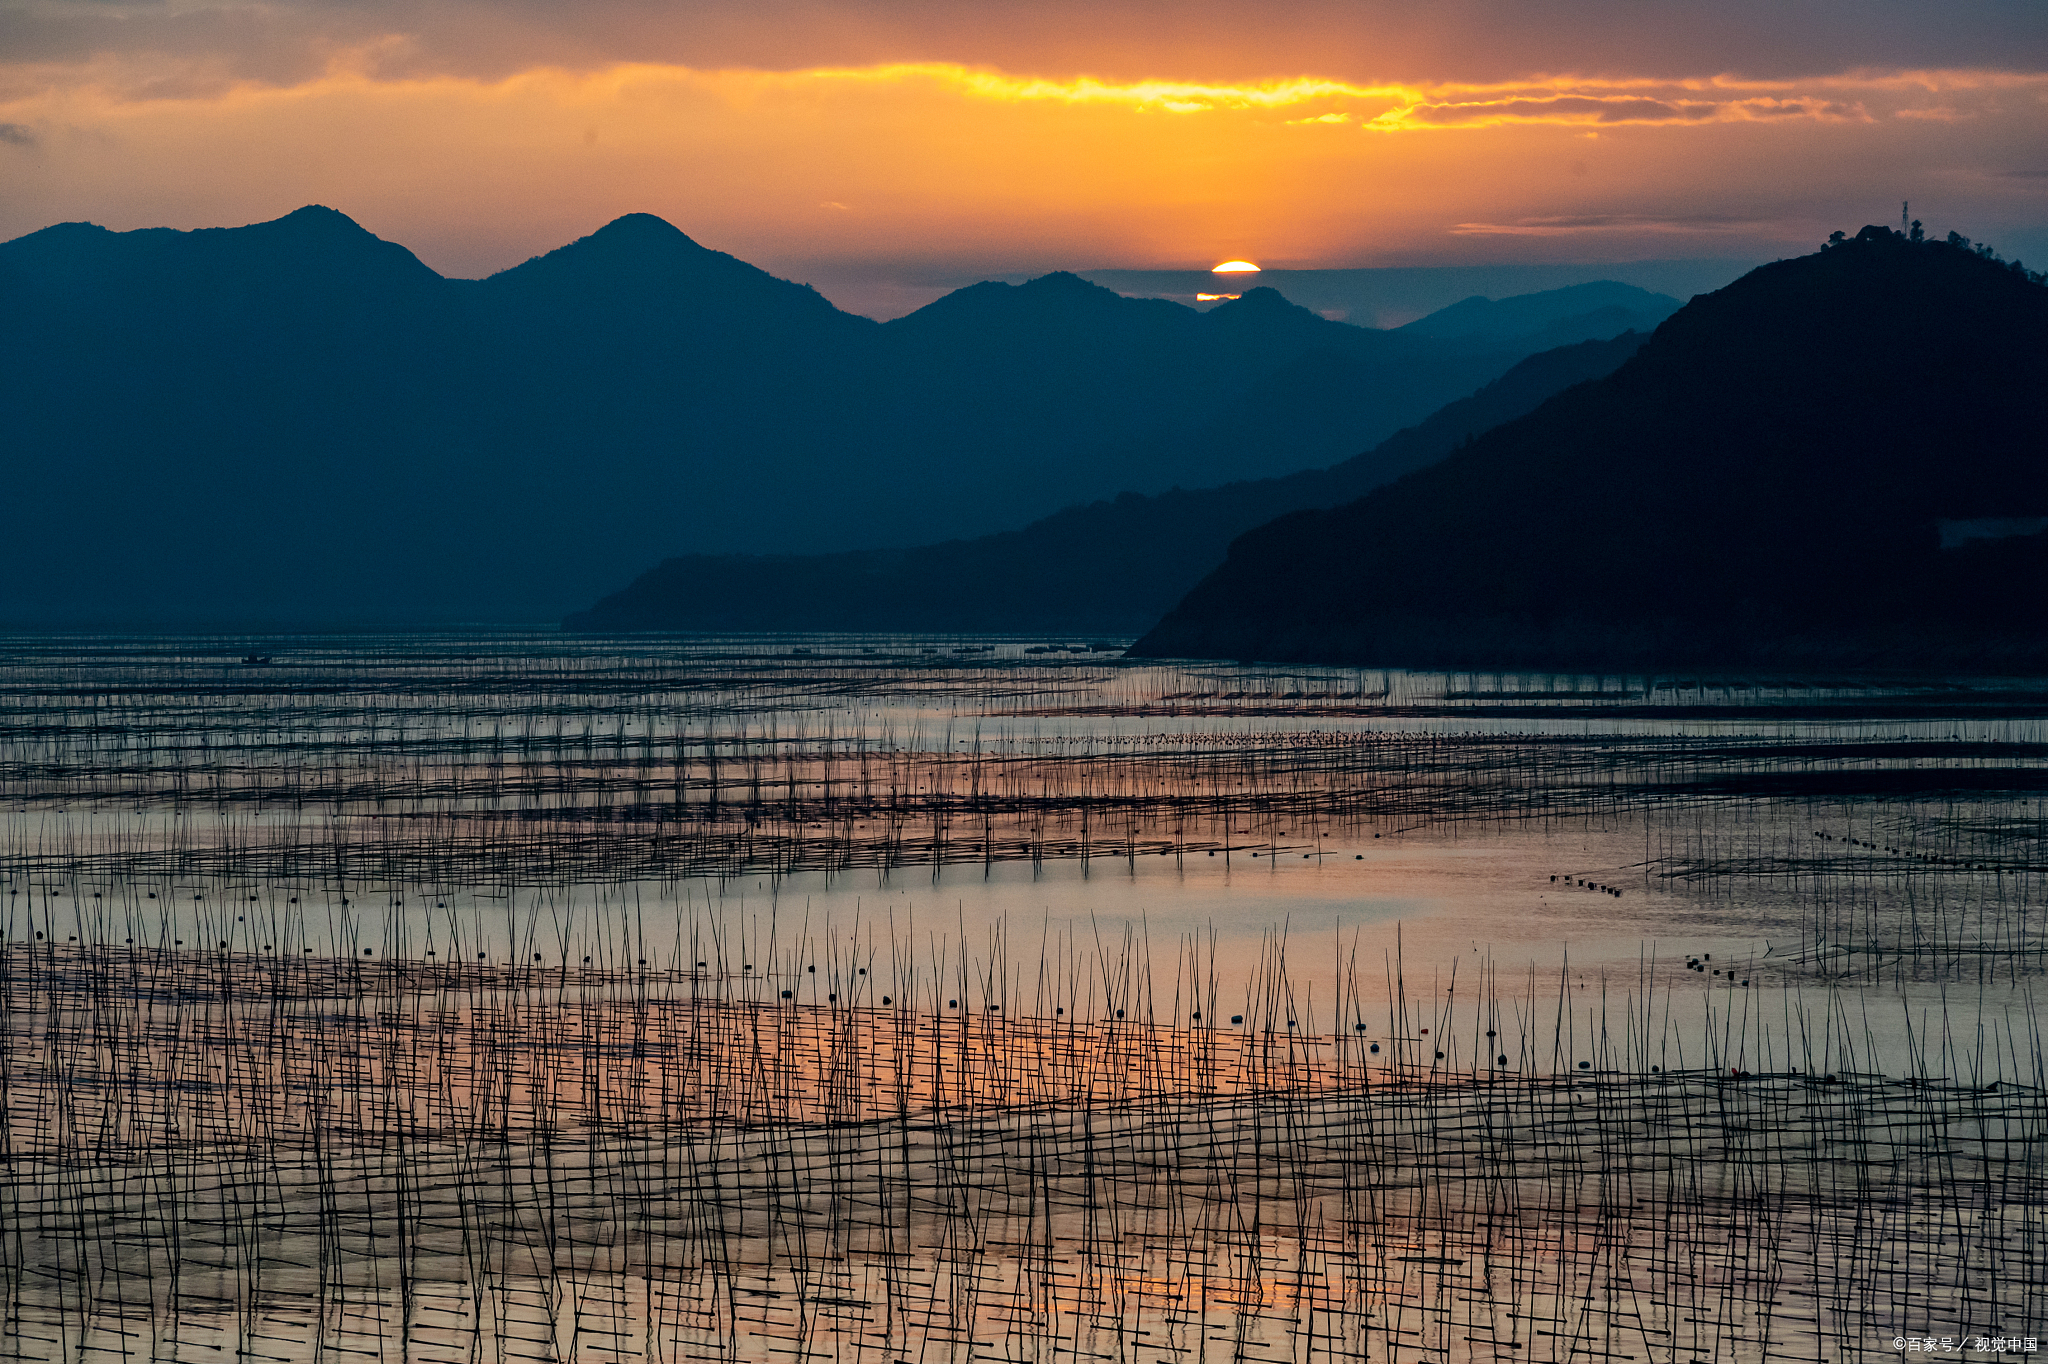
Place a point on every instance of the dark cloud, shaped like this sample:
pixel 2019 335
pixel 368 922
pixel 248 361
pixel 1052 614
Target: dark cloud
pixel 17 135
pixel 1475 40
pixel 1575 108
pixel 1562 225
pixel 1617 109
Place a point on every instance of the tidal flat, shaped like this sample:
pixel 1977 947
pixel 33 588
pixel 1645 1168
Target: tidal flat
pixel 503 996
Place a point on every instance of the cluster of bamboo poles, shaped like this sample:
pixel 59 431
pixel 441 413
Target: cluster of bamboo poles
pixel 259 1101
pixel 457 800
pixel 1875 891
pixel 297 1156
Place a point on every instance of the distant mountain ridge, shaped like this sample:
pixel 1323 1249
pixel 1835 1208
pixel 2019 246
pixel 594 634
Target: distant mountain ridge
pixel 295 422
pixel 1577 312
pixel 1764 483
pixel 1110 567
pixel 1391 296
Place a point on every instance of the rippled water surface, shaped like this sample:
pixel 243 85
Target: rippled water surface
pixel 497 996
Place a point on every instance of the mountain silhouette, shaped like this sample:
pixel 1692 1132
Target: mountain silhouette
pixel 296 422
pixel 1109 567
pixel 1067 381
pixel 1577 312
pixel 641 264
pixel 1764 483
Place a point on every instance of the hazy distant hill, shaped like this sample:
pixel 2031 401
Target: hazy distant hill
pixel 296 421
pixel 1389 296
pixel 1107 567
pixel 1556 317
pixel 1761 483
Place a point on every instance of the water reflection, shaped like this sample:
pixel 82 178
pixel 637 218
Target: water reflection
pixel 502 996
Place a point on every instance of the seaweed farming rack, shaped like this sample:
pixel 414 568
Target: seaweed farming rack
pixel 268 1092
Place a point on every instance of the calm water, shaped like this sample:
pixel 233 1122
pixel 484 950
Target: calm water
pixel 326 894
pixel 497 795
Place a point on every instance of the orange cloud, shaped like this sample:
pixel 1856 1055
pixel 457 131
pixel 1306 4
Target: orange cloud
pixel 948 170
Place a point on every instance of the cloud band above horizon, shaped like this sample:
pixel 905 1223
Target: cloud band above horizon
pixel 939 169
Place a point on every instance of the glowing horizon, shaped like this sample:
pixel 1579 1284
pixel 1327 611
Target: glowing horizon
pixel 880 148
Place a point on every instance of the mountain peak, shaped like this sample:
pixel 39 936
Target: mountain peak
pixel 640 261
pixel 313 223
pixel 308 250
pixel 59 232
pixel 632 242
pixel 315 215
pixel 1264 310
pixel 321 239
pixel 1064 281
pixel 1045 301
pixel 644 229
pixel 1261 298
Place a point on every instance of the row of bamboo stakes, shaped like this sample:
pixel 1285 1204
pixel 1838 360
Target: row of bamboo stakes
pixel 256 1102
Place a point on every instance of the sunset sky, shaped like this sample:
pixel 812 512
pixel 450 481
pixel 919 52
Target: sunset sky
pixel 895 145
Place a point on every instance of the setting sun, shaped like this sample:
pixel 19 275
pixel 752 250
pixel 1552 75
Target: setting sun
pixel 1235 267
